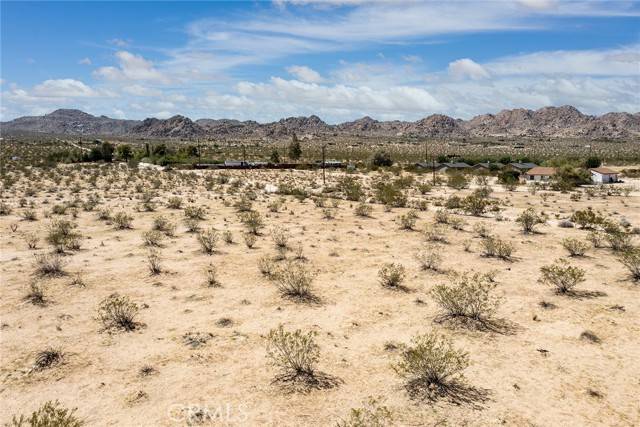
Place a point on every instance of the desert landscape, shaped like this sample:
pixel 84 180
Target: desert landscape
pixel 155 297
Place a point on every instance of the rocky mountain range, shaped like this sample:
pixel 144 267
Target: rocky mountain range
pixel 547 122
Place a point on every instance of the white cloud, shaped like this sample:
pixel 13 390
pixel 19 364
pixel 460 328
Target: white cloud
pixel 63 88
pixel 139 90
pixel 118 42
pixel 131 67
pixel 119 114
pixel 304 74
pixel 85 61
pixel 467 68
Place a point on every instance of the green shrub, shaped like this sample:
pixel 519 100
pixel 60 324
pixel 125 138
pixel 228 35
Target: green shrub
pixel 370 415
pixel 208 240
pixel 575 247
pixel 457 180
pixel 529 218
pixel 587 218
pixel 363 210
pixel 630 258
pixel 408 220
pixel 294 353
pixel 561 275
pixel 50 414
pixel 495 247
pixel 391 275
pixel 122 221
pixel 252 221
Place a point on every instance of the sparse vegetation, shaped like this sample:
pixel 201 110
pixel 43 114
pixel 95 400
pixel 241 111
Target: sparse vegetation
pixel 562 276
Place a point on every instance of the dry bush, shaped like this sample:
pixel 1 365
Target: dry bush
pixel 32 240
pixel 442 216
pixel 164 225
pixel 122 221
pixel 391 275
pixel 118 312
pixel 408 220
pixel 50 414
pixel 618 239
pixel 280 237
pixel 575 247
pixel 29 215
pixel 493 246
pixel 36 294
pixel 294 280
pixel 252 221
pixel 328 213
pixel 49 264
pixel 152 238
pixel 432 364
pixel 104 214
pixel 249 240
pixel 5 209
pixel 561 275
pixel 363 210
pixel 529 218
pixel 61 235
pixel 371 414
pixel 153 261
pixel 77 280
pixel 211 273
pixel 267 266
pixel 174 203
pixel 435 233
pixel 208 240
pixel 193 225
pixel 294 353
pixel 587 218
pixel 481 230
pixel 631 259
pixel 48 358
pixel 469 296
pixel 227 236
pixel 429 258
pixel 195 212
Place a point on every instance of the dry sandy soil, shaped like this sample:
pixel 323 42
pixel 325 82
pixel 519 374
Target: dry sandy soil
pixel 540 373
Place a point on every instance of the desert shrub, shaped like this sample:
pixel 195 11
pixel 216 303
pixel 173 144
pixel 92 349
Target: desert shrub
pixel 597 238
pixel 294 353
pixel 152 238
pixel 49 264
pixel 36 294
pixel 211 274
pixel 431 363
pixel 249 240
pixel 164 225
pixel 266 266
pixel 390 194
pixel 118 312
pixel 565 223
pixel 408 220
pixel 328 213
pixel 243 204
pixel 529 218
pixel 195 212
pixel 5 209
pixel 442 216
pixel 468 296
pixel 32 240
pixel 104 214
pixel 618 239
pixel 61 235
pixel 208 240
pixel 48 358
pixel 630 258
pixel 294 280
pixel 391 275
pixel 475 204
pixel 363 210
pixel 457 223
pixel 561 275
pixel 50 414
pixel 369 415
pixel 280 237
pixel 227 237
pixel 575 247
pixel 382 158
pixel 29 215
pixel 193 225
pixel 493 246
pixel 351 188
pixel 429 259
pixel 435 233
pixel 482 230
pixel 587 218
pixel 457 180
pixel 174 203
pixel 154 261
pixel 453 202
pixel 252 221
pixel 122 221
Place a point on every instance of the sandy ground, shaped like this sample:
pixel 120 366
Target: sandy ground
pixel 542 374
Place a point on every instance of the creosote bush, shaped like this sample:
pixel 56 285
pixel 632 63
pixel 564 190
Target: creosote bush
pixel 431 363
pixel 118 312
pixel 61 235
pixel 249 240
pixel 372 414
pixel 152 238
pixel 493 246
pixel 630 258
pixel 408 220
pixel 208 240
pixel 469 296
pixel 429 258
pixel 252 221
pixel 280 237
pixel 153 261
pixel 50 414
pixel 364 210
pixel 575 247
pixel 561 275
pixel 528 219
pixel 391 275
pixel 49 264
pixel 122 221
pixel 294 280
pixel 294 353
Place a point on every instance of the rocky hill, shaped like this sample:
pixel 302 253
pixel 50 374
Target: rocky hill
pixel 547 122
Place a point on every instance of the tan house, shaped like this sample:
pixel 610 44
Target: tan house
pixel 539 174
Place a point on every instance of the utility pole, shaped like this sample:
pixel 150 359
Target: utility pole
pixel 244 154
pixel 324 180
pixel 199 151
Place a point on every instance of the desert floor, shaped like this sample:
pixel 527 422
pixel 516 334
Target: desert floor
pixel 539 373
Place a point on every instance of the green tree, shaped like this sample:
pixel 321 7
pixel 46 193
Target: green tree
pixel 107 151
pixel 275 156
pixel 124 152
pixel 592 162
pixel 295 152
pixel 382 158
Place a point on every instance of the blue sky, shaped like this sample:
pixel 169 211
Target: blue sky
pixel 339 59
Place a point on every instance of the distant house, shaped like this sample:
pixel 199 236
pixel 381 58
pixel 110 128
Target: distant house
pixel 235 163
pixel 429 165
pixel 603 175
pixel 539 173
pixel 456 166
pixel 488 166
pixel 521 166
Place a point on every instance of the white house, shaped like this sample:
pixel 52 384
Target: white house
pixel 539 173
pixel 603 175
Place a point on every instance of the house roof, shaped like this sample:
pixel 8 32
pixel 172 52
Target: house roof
pixel 523 165
pixel 457 165
pixel 429 165
pixel 604 171
pixel 541 170
pixel 488 165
